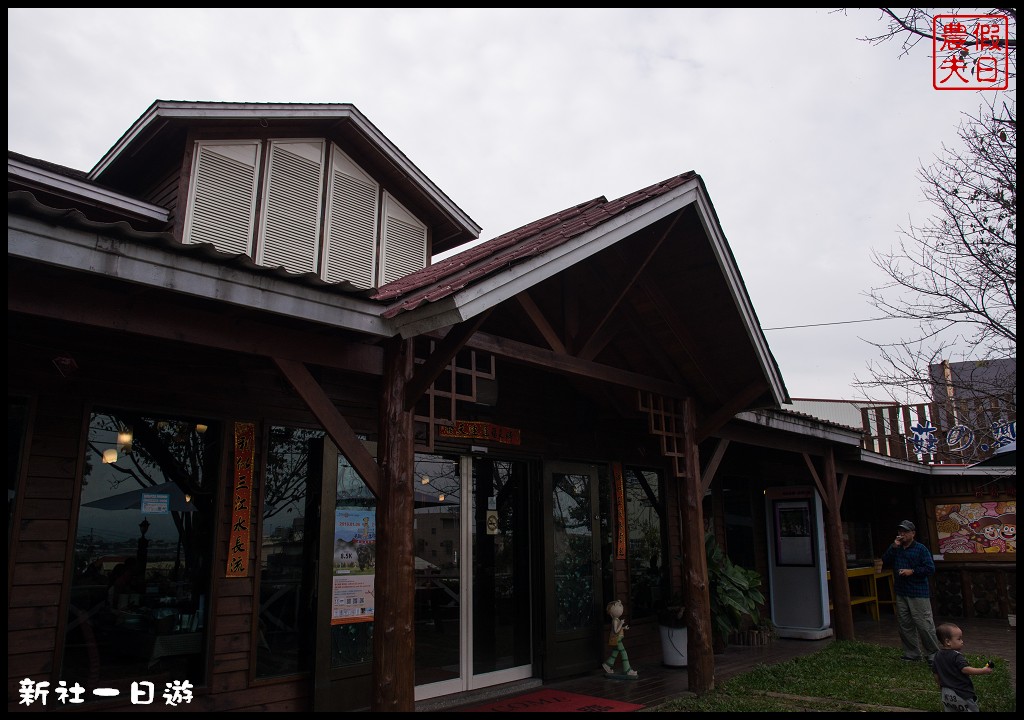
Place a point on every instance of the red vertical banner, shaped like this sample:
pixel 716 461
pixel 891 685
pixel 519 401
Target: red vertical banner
pixel 620 512
pixel 241 501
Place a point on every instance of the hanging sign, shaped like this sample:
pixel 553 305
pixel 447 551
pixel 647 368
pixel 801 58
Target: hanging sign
pixel 241 501
pixel 480 431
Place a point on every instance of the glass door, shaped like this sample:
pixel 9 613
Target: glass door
pixel 574 617
pixel 346 519
pixel 501 589
pixel 472 574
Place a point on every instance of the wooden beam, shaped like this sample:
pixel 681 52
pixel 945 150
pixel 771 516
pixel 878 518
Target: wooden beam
pixel 825 497
pixel 334 424
pixel 716 459
pixel 515 351
pixel 540 321
pixel 681 333
pixel 879 472
pixel 425 373
pixel 773 438
pixel 597 338
pixel 727 410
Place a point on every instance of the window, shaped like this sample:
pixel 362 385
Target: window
pixel 143 551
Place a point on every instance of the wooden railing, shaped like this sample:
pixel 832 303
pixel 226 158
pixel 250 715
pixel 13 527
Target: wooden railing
pixel 961 432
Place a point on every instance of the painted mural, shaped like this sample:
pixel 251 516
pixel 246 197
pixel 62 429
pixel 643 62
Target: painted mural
pixel 969 528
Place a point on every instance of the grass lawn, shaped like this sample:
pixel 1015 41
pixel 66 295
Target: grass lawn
pixel 847 676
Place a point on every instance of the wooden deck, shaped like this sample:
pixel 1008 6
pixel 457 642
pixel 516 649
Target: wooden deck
pixel 655 683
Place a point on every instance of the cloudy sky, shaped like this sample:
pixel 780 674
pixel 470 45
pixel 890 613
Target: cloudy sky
pixel 808 139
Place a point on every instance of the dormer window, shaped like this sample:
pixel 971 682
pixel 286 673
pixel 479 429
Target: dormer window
pixel 353 232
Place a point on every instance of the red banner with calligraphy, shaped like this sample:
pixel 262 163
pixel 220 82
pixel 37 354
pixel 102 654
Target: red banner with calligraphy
pixel 241 501
pixel 620 512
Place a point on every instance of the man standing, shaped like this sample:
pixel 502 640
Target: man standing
pixel 912 563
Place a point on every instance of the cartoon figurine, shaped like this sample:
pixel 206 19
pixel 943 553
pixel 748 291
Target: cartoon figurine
pixel 619 627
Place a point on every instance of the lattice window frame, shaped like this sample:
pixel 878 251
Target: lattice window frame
pixel 666 421
pixel 459 382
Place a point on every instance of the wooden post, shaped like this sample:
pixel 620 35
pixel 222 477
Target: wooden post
pixel 394 641
pixel 842 612
pixel 700 650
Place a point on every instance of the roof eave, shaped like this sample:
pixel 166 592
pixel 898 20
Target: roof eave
pixel 88 191
pixel 85 250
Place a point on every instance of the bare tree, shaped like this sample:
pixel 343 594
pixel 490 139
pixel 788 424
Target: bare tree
pixel 909 26
pixel 955 274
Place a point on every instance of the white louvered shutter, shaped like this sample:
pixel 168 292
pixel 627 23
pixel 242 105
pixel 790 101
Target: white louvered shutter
pixel 404 242
pixel 350 248
pixel 290 227
pixel 222 195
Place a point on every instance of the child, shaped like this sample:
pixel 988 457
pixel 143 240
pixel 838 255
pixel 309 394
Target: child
pixel 619 627
pixel 953 673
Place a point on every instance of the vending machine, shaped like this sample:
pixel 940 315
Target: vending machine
pixel 796 563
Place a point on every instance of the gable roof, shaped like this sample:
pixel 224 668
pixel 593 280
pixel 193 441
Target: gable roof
pixel 643 287
pixel 476 280
pixel 166 123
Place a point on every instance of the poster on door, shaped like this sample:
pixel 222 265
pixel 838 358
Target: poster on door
pixel 355 543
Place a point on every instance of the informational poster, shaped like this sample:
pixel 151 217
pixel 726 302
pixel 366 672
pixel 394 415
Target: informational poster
pixel 355 553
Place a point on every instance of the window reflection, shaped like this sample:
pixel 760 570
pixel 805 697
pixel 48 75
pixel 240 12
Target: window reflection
pixel 572 542
pixel 437 493
pixel 647 569
pixel 355 561
pixel 143 550
pixel 287 552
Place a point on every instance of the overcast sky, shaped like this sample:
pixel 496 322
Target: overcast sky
pixel 808 139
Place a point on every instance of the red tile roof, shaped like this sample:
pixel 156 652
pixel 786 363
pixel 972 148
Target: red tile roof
pixel 457 272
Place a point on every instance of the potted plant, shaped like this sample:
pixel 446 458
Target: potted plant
pixel 672 628
pixel 734 591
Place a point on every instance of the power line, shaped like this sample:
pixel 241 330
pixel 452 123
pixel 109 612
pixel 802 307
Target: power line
pixel 840 322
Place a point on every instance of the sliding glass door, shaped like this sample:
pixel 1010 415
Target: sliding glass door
pixel 472 573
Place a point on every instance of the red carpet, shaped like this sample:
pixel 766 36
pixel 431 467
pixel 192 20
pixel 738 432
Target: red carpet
pixel 554 701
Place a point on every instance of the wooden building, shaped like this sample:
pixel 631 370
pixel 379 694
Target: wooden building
pixel 258 442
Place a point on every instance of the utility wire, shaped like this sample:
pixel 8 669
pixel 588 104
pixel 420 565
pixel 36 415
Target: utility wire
pixel 840 322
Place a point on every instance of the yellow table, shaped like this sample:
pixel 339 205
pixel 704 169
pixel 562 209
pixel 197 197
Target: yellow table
pixel 866 580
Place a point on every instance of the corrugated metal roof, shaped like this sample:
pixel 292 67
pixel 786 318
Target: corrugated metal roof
pixel 840 412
